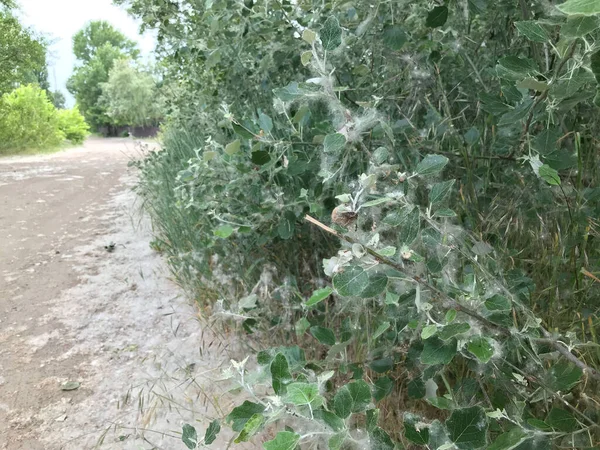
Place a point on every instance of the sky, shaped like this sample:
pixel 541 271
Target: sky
pixel 59 20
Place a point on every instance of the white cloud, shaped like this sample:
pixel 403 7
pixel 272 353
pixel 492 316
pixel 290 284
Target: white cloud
pixel 59 20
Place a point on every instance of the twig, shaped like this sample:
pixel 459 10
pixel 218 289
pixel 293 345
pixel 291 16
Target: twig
pixel 454 304
pixel 388 262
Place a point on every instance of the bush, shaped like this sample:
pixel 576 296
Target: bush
pixel 443 294
pixel 73 125
pixel 28 120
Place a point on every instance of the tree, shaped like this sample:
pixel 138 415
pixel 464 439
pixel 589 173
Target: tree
pixel 95 35
pixel 131 96
pixel 97 46
pixel 58 99
pixel 22 54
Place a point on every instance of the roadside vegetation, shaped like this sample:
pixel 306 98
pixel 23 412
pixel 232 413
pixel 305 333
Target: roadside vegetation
pixel 396 205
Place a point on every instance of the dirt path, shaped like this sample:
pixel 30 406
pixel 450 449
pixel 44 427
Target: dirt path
pixel 111 321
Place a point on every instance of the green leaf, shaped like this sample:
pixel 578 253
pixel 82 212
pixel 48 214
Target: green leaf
pixel 564 376
pixel 372 419
pixel 382 388
pixel 482 348
pixel 418 436
pixel 318 296
pixel 224 231
pixel 580 7
pixel 288 93
pixel 539 424
pixel 382 328
pixel 242 131
pixel 352 398
pixel 280 373
pixel 211 432
pixel 471 136
pixel 260 157
pixel 251 427
pixel 428 331
pixel 336 441
pixel 445 212
pixel 508 441
pixel 437 17
pixel 331 34
pixel 334 143
pixel 387 251
pixel 265 122
pixel 416 388
pixel 305 57
pixel 377 201
pixel 431 164
pixel 532 30
pixel 579 26
pixel 323 335
pixel 382 365
pixel 436 351
pixel 452 330
pixel 285 440
pixel 377 284
pixel 562 420
pixel 467 427
pixel 309 36
pixel 304 394
pixel 330 419
pixel 521 66
pixel 549 175
pixel 287 225
pixel 440 191
pixel 189 436
pixel 233 147
pixel 394 37
pixel 517 114
pixel 498 303
pixel 241 414
pixel 380 440
pixel 351 282
pixel 301 326
pixel 409 228
pixel 532 83
pixel 450 315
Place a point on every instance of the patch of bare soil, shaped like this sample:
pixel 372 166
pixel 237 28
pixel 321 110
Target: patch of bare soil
pixel 74 308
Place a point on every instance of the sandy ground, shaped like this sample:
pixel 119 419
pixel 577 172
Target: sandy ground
pixel 111 321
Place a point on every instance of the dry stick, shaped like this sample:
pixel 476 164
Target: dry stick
pixel 548 338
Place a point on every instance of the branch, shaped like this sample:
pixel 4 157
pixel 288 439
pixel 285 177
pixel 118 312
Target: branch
pixel 548 338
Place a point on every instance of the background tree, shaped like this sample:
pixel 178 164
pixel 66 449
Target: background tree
pixel 22 54
pixel 58 99
pixel 95 35
pixel 97 46
pixel 131 96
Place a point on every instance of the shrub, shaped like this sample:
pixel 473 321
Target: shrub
pixel 28 120
pixel 442 293
pixel 73 125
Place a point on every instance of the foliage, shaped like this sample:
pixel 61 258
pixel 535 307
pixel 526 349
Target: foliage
pixel 73 125
pixel 97 46
pixel 22 53
pixel 58 99
pixel 95 35
pixel 28 120
pixel 443 291
pixel 131 96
